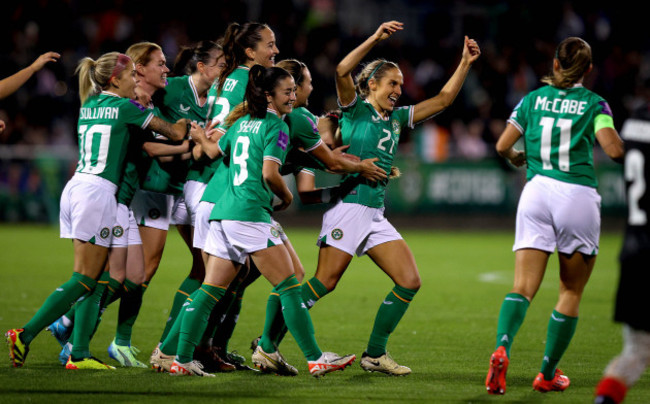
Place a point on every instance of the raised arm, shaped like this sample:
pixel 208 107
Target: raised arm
pixel 12 83
pixel 344 81
pixel 444 99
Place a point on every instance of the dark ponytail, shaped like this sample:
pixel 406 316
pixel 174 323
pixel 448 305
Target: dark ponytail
pixel 236 40
pixel 189 56
pixel 261 81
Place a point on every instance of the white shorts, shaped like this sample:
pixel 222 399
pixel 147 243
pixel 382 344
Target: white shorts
pixel 554 214
pixel 152 209
pixel 193 192
pixel 126 232
pixel 354 228
pixel 202 224
pixel 180 214
pixel 278 226
pixel 233 240
pixel 88 209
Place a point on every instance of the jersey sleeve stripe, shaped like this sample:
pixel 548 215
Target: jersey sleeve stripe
pixel 147 121
pixel 273 158
pixel 516 125
pixel 354 101
pixel 320 142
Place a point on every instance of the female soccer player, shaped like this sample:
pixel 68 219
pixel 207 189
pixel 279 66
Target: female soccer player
pixel 371 126
pixel 88 205
pixel 304 138
pixel 559 207
pixel 195 69
pixel 160 201
pixel 241 223
pixel 126 259
pixel 126 275
pixel 244 46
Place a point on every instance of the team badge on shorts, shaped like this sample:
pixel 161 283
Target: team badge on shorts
pixel 118 231
pixel 337 234
pixel 105 232
pixel 396 127
pixel 154 213
pixel 275 232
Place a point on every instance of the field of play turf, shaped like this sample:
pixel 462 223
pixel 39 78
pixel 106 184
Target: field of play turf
pixel 446 337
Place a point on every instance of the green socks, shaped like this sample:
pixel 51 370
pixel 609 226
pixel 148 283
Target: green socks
pixel 560 332
pixel 130 303
pixel 86 319
pixel 511 316
pixel 227 326
pixel 195 320
pixel 57 304
pixel 188 286
pixel 296 316
pixel 273 316
pixel 312 290
pixel 390 313
pixel 169 345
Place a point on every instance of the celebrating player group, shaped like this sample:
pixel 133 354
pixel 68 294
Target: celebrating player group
pixel 204 146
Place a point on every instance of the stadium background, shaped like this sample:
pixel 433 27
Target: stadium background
pixel 450 168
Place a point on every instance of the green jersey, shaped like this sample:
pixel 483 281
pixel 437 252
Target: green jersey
pixel 135 161
pixel 232 95
pixel 103 130
pixel 559 127
pixel 371 135
pixel 303 134
pixel 249 142
pixel 181 100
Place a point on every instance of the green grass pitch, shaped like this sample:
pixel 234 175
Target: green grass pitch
pixel 446 337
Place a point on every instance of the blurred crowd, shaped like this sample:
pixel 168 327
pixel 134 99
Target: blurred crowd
pixel 517 39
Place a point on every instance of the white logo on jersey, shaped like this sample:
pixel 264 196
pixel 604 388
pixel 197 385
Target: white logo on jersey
pixel 505 338
pixel 387 302
pixel 184 110
pixel 375 118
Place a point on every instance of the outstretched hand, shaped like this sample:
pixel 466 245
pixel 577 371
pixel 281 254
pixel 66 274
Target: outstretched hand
pixel 471 50
pixel 387 29
pixel 43 59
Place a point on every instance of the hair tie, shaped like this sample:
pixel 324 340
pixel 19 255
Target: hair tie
pixel 375 70
pixel 332 116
